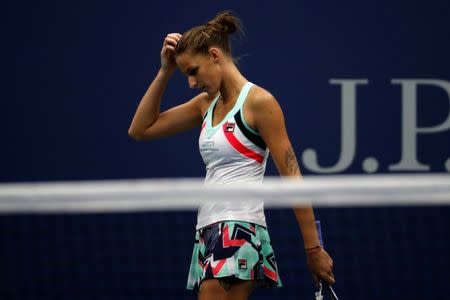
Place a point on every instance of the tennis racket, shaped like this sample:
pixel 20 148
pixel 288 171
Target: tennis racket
pixel 324 287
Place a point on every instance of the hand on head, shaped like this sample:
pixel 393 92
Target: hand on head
pixel 168 62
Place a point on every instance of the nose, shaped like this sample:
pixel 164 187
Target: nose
pixel 192 82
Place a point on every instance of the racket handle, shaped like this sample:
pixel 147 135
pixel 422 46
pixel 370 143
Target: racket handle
pixel 319 232
pixel 327 286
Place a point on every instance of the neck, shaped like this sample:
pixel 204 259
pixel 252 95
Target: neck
pixel 232 83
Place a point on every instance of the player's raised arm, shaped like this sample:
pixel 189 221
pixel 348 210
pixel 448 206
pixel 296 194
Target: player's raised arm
pixel 148 122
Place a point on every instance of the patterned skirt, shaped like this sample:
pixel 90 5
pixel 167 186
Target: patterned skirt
pixel 233 249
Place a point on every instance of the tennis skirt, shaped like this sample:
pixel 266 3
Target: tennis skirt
pixel 235 250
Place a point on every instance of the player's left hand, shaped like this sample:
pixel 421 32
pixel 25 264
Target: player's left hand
pixel 321 265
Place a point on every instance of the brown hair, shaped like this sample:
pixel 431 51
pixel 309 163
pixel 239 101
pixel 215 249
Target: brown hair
pixel 215 33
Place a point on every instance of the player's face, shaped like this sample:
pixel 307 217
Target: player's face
pixel 201 70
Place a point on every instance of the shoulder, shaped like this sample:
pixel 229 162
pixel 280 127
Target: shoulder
pixel 260 100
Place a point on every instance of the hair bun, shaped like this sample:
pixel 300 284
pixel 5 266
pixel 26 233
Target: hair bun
pixel 224 22
pixel 215 33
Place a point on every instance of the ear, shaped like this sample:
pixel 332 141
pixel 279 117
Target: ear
pixel 214 54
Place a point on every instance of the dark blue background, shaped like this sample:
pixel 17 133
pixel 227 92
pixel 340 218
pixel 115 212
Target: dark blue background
pixel 74 72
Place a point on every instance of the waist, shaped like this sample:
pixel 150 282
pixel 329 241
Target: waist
pixel 250 210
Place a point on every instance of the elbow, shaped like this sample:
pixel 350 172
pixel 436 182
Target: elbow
pixel 135 135
pixel 140 135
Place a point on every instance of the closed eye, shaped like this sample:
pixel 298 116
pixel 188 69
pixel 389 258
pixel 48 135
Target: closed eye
pixel 192 72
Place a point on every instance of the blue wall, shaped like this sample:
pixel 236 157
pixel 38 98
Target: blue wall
pixel 75 71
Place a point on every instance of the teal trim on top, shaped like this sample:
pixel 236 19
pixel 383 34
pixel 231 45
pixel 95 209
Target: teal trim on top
pixel 209 117
pixel 210 130
pixel 246 125
pixel 211 107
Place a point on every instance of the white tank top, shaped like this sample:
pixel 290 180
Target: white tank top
pixel 232 152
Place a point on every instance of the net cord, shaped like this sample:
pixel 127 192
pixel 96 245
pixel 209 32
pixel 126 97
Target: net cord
pixel 187 193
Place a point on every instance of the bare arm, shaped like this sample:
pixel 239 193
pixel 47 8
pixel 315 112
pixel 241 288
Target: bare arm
pixel 148 122
pixel 269 120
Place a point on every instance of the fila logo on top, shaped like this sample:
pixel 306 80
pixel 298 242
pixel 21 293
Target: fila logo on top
pixel 410 130
pixel 230 127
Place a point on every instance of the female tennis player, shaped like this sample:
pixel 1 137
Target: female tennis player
pixel 239 123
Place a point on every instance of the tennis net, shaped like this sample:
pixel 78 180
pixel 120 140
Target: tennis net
pixel 132 239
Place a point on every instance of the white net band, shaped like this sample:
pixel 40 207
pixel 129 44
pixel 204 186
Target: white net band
pixel 188 193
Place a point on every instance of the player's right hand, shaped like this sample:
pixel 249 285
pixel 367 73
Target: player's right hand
pixel 168 63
